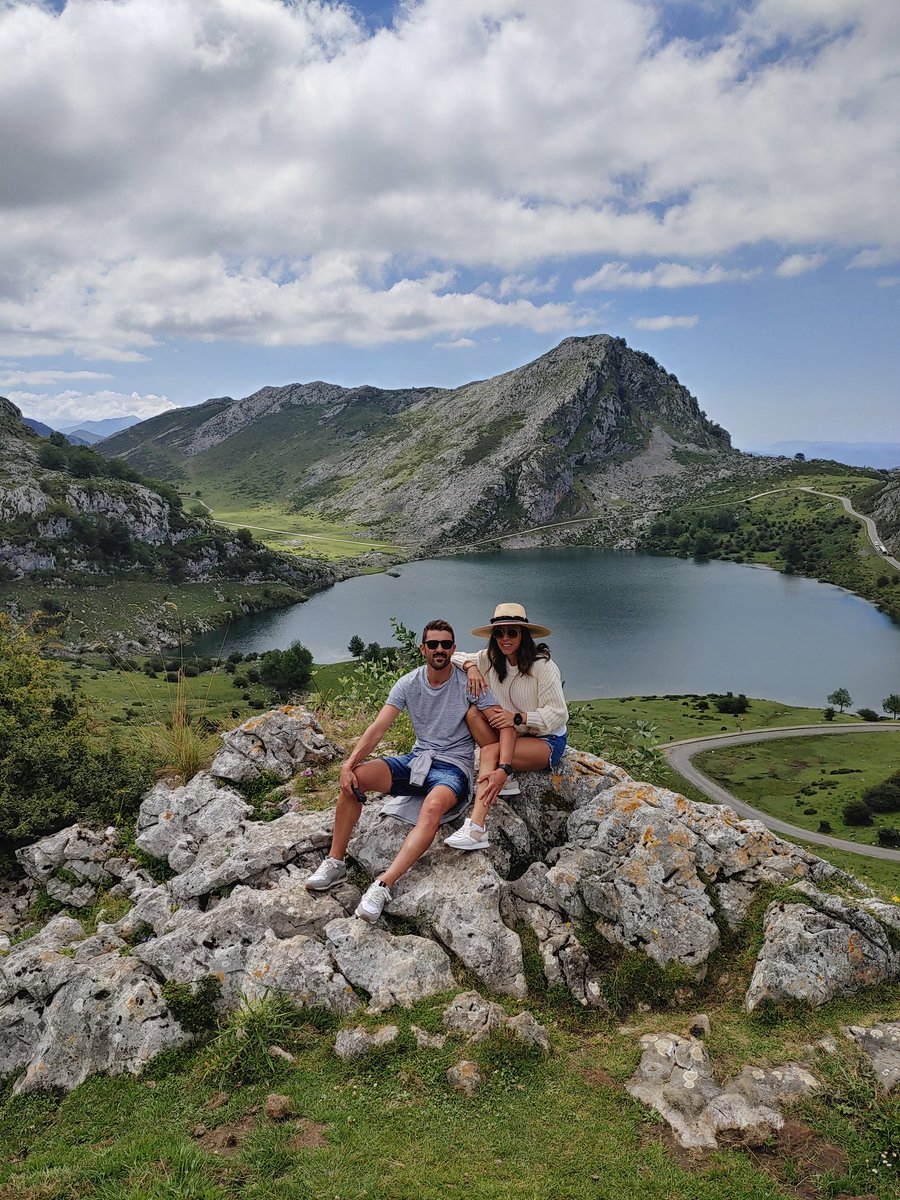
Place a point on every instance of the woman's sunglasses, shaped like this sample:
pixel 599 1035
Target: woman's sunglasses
pixel 433 644
pixel 506 631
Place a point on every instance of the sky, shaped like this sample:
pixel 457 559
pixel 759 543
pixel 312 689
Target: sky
pixel 203 197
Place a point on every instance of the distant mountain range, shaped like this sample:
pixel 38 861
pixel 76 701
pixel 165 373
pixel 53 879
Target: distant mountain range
pixel 84 433
pixel 881 455
pixel 591 432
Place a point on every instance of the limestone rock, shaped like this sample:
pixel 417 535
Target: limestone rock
pixel 676 1078
pixel 527 1030
pixel 426 1040
pixel 257 847
pixel 464 1077
pixel 471 1016
pixel 37 968
pixel 393 970
pixel 223 941
pixel 109 1016
pixel 827 947
pixel 881 1045
pixel 357 1042
pixel 300 968
pixel 277 741
pixel 174 822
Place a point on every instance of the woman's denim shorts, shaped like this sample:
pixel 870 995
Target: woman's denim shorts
pixel 557 744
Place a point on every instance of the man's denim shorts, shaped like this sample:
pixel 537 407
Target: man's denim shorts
pixel 441 773
pixel 557 744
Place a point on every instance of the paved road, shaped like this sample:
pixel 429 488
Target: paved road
pixel 867 522
pixel 680 754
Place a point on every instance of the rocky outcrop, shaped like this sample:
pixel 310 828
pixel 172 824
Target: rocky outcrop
pixel 586 857
pixel 676 1078
pixel 820 946
pixel 276 742
pixel 886 514
pixel 881 1046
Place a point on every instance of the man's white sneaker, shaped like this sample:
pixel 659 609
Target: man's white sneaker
pixel 374 898
pixel 329 873
pixel 468 837
pixel 510 788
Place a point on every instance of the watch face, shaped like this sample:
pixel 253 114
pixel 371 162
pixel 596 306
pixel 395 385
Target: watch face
pixel 517 719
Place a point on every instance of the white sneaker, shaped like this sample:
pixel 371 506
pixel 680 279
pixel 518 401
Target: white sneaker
pixel 468 837
pixel 510 788
pixel 329 873
pixel 375 897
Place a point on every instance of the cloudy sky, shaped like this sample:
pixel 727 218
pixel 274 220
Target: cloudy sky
pixel 200 197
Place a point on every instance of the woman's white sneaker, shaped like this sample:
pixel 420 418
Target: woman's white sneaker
pixel 374 898
pixel 468 837
pixel 510 788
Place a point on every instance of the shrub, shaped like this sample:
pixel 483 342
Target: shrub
pixel 868 714
pixel 889 836
pixel 286 671
pixel 825 827
pixel 53 769
pixel 828 714
pixel 857 813
pixel 734 705
pixel 884 797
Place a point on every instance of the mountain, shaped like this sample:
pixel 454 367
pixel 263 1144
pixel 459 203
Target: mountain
pixel 39 427
pixel 593 430
pixel 881 455
pixel 102 428
pixel 77 436
pixel 68 515
pixel 82 437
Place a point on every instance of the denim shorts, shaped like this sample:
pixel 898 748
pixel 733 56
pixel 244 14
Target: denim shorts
pixel 557 744
pixel 441 774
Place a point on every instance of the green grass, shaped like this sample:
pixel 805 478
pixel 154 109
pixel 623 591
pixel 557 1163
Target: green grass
pixel 678 717
pixel 786 778
pixel 276 526
pixel 394 1130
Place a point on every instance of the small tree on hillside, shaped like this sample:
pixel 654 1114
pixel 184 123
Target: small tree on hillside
pixel 286 671
pixel 891 704
pixel 356 646
pixel 840 698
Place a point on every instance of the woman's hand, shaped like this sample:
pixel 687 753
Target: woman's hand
pixel 499 718
pixel 475 681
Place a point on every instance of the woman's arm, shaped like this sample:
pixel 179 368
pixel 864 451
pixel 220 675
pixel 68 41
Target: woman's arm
pixel 551 713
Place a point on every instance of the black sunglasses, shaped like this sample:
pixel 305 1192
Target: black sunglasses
pixel 507 631
pixel 433 644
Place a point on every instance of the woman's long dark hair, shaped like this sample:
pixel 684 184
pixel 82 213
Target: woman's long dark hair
pixel 528 653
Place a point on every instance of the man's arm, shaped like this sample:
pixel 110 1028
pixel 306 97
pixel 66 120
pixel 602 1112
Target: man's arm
pixel 366 744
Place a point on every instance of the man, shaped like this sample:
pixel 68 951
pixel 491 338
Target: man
pixel 438 768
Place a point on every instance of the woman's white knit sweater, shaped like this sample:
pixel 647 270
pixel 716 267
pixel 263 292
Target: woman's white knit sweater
pixel 539 695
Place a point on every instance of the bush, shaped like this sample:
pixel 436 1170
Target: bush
pixel 884 797
pixel 734 705
pixel 868 714
pixel 889 836
pixel 286 671
pixel 53 770
pixel 857 813
pixel 828 714
pixel 825 827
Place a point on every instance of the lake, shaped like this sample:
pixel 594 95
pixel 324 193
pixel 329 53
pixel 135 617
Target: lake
pixel 623 623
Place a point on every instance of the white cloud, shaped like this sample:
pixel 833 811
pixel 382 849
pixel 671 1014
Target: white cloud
pixel 11 377
pixel 665 322
pixel 458 344
pixel 615 276
pixel 882 257
pixel 266 171
pixel 799 264
pixel 887 281
pixel 81 406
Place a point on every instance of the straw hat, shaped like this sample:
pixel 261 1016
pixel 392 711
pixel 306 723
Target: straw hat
pixel 510 614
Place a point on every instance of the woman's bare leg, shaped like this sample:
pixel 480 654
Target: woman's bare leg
pixel 529 754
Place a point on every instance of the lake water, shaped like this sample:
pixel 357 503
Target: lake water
pixel 623 623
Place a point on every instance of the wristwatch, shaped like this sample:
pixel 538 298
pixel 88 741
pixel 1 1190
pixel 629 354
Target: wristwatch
pixel 518 719
pixel 507 767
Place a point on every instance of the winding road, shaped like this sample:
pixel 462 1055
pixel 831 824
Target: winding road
pixel 679 755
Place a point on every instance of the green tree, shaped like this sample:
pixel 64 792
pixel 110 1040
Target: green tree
pixel 286 671
pixel 356 646
pixel 840 698
pixel 55 767
pixel 891 704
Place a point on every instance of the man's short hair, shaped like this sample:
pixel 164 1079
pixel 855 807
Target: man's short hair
pixel 437 625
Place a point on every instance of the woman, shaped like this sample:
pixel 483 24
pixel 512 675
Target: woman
pixel 529 690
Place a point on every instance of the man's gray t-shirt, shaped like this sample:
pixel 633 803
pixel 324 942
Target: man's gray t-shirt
pixel 438 714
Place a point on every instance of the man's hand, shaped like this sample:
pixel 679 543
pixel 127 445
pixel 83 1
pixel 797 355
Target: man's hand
pixel 475 681
pixel 499 718
pixel 348 780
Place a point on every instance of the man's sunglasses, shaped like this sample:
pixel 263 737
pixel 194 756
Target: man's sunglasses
pixel 434 644
pixel 506 631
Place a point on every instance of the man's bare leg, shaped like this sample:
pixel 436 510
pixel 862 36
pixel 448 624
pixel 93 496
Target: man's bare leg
pixel 374 776
pixel 438 802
